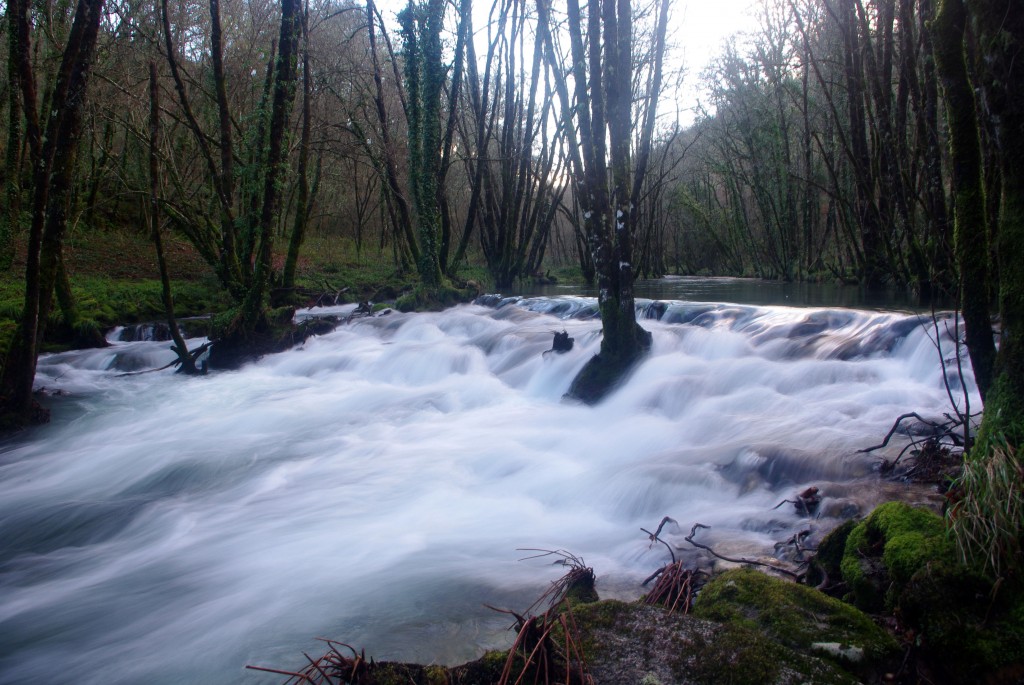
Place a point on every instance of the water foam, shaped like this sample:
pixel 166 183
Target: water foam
pixel 374 485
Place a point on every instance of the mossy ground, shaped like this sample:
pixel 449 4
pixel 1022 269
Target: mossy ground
pixel 115 280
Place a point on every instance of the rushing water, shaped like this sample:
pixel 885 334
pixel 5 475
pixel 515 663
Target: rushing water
pixel 375 485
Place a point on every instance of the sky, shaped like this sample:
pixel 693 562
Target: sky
pixel 701 28
pixel 698 29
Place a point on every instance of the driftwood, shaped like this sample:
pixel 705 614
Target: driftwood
pixel 693 532
pixel 948 433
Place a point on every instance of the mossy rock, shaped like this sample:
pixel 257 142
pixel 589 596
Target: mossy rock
pixel 967 630
pixel 798 617
pixel 885 550
pixel 422 299
pixel 635 643
pixel 824 568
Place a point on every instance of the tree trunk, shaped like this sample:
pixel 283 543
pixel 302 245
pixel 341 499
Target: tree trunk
pixel 302 202
pixel 185 360
pixel 602 71
pixel 53 162
pixel 1000 29
pixel 254 305
pixel 970 228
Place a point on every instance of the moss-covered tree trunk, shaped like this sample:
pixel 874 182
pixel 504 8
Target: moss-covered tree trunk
pixel 999 27
pixel 302 201
pixel 969 225
pixel 53 157
pixel 11 220
pixel 425 77
pixel 988 522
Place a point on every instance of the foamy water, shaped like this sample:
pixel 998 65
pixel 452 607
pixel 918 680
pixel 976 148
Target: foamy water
pixel 374 485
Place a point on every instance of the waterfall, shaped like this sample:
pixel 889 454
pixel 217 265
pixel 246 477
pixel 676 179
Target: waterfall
pixel 377 484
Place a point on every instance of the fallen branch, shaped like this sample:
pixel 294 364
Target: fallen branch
pixel 654 538
pixel 693 531
pixel 895 427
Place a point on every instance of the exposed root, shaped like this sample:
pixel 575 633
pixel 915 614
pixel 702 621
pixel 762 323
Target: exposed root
pixel 576 585
pixel 795 575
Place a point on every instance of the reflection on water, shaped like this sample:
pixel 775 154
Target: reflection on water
pixel 760 292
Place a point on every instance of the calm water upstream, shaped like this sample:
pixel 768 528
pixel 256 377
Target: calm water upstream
pixel 374 485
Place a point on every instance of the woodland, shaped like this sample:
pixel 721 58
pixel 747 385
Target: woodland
pixel 875 142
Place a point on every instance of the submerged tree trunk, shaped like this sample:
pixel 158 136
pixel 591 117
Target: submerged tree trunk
pixel 603 73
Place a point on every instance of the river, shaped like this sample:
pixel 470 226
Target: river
pixel 379 484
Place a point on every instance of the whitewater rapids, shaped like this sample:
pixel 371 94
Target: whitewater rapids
pixel 374 485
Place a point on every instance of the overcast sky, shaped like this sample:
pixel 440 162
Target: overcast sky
pixel 701 27
pixel 698 30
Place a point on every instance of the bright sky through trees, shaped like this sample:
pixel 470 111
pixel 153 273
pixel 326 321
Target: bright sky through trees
pixel 698 29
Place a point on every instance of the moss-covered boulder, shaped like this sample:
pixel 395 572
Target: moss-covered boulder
pixel 824 571
pixel 636 643
pixel 964 628
pixel 887 548
pixel 798 617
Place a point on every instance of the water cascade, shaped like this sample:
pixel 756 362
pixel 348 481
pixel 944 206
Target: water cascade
pixel 376 484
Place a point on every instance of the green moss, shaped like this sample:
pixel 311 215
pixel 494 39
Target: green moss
pixel 436 675
pixel 795 615
pixel 825 566
pixel 441 297
pixel 738 655
pixel 963 624
pixel 632 642
pixel 887 548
